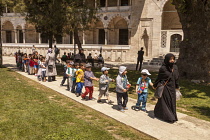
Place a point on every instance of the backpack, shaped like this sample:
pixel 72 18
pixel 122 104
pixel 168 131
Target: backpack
pixel 57 51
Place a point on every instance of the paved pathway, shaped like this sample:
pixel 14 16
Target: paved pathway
pixel 187 128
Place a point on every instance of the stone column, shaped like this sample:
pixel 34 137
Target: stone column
pixel 16 36
pixel 95 3
pixel 83 37
pixel 118 4
pixel 24 36
pixel 106 36
pixel 106 5
pixel 40 38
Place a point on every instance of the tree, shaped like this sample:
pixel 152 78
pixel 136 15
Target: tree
pixel 48 16
pixel 80 14
pixel 194 57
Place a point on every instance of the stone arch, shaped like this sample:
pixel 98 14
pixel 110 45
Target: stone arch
pixel 8 32
pixel 31 36
pixel 117 16
pixel 118 31
pixel 96 33
pixel 170 17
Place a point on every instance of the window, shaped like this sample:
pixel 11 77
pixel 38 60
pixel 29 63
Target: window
pixel 101 36
pixel 123 36
pixel 59 39
pixel 175 42
pixel 8 36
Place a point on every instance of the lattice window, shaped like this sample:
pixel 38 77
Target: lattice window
pixel 163 39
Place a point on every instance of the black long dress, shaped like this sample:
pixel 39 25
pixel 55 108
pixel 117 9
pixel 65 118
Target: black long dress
pixel 165 108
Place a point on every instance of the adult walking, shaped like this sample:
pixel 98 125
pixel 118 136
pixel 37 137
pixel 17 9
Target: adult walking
pixel 165 108
pixel 140 59
pixel 57 52
pixel 50 65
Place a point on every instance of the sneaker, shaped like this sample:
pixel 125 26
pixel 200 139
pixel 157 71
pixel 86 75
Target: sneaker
pixel 122 110
pixel 137 108
pixel 144 109
pixel 125 108
pixel 110 102
pixel 99 101
pixel 77 94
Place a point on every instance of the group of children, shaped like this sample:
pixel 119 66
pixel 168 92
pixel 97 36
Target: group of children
pixel 33 64
pixel 80 75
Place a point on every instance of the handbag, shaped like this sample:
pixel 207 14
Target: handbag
pixel 178 95
pixel 50 67
pixel 159 89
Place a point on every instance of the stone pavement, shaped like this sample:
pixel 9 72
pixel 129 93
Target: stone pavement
pixel 187 128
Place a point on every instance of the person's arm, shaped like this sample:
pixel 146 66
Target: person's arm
pixel 150 83
pixel 102 80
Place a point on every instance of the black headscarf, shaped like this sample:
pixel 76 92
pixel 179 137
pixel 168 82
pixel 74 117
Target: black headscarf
pixel 167 59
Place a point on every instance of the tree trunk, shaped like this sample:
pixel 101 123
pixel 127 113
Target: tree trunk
pixel 1 57
pixel 76 38
pixel 50 40
pixel 194 57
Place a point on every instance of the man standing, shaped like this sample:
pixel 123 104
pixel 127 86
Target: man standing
pixel 140 59
pixel 57 51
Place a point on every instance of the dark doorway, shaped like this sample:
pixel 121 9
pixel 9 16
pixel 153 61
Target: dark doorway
pixel 102 3
pixel 124 2
pixel 8 36
pixel 44 38
pixel 123 36
pixel 59 39
pixel 101 36
pixel 71 38
pixel 20 34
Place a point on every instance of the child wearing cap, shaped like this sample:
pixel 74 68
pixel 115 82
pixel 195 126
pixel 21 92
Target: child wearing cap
pixel 104 85
pixel 89 77
pixel 122 86
pixel 80 79
pixel 70 73
pixel 142 89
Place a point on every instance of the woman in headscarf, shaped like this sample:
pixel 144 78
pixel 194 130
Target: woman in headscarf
pixel 165 108
pixel 50 65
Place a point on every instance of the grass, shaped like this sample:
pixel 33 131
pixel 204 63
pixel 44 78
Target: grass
pixel 195 100
pixel 32 111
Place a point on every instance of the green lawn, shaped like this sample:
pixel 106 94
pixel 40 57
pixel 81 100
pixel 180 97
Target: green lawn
pixel 29 110
pixel 195 101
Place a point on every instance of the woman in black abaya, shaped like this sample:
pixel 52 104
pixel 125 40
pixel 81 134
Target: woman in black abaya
pixel 165 108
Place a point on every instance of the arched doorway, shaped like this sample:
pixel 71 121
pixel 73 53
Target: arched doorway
pixel 175 42
pixel 19 34
pixel 118 31
pixel 31 34
pixel 8 34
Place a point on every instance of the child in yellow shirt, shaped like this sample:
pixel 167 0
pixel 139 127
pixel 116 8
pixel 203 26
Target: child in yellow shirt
pixel 80 80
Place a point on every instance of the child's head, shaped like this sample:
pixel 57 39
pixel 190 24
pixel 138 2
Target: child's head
pixel 88 67
pixel 43 59
pixel 105 70
pixel 82 66
pixel 122 70
pixel 71 64
pixel 145 73
pixel 76 65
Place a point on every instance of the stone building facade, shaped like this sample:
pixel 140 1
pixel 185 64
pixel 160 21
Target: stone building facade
pixel 123 28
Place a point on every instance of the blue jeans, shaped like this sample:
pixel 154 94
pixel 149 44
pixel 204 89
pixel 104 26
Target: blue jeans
pixel 79 87
pixel 142 98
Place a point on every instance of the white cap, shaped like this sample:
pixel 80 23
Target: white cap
pixel 145 71
pixel 104 69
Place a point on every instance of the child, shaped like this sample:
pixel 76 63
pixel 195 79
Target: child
pixel 122 86
pixel 31 64
pixel 70 74
pixel 25 59
pixel 104 85
pixel 80 80
pixel 89 76
pixel 65 76
pixel 43 68
pixel 36 65
pixel 75 68
pixel 142 89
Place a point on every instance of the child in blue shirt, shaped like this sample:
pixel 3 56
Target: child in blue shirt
pixel 142 89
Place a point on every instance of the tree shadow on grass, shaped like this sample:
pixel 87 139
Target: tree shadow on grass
pixel 202 110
